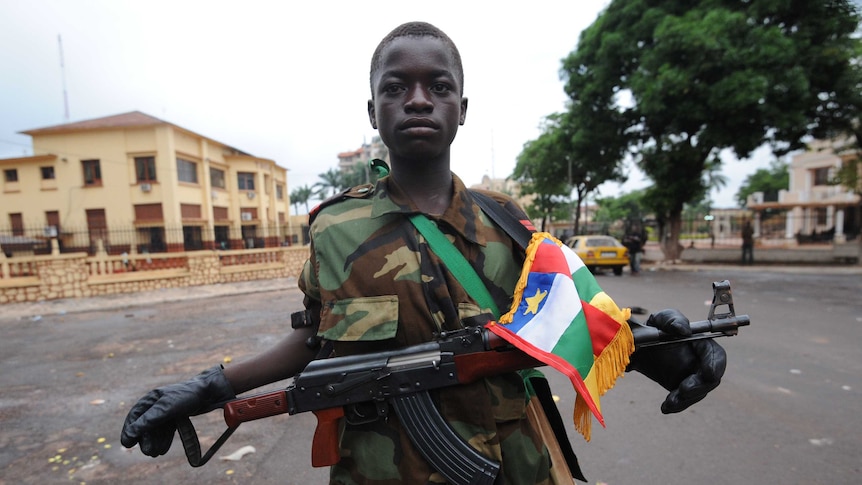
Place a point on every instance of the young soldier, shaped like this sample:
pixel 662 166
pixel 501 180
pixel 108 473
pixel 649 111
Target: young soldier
pixel 371 283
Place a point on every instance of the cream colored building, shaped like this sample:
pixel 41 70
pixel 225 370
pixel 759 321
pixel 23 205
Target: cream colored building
pixel 368 151
pixel 142 184
pixel 813 204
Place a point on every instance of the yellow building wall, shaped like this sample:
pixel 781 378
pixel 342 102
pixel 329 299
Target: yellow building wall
pixel 116 150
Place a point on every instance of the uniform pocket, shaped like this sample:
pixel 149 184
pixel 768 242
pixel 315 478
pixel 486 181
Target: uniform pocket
pixel 360 319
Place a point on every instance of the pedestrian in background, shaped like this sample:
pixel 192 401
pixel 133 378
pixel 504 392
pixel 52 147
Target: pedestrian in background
pixel 747 243
pixel 634 240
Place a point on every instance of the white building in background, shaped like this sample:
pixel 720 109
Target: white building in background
pixel 815 209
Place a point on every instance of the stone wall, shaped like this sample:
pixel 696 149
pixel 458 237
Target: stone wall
pixel 77 275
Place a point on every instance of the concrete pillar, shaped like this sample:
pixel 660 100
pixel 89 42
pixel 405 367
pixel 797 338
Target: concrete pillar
pixel 839 227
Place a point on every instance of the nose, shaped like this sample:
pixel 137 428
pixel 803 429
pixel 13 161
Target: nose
pixel 418 100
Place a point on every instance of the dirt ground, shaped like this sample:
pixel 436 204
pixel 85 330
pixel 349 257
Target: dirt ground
pixel 786 411
pixel 69 379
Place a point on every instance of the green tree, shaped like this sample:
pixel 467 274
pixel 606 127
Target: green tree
pixel 626 207
pixel 359 174
pixel 686 80
pixel 769 181
pixel 330 183
pixel 568 156
pixel 850 177
pixel 537 171
pixel 301 196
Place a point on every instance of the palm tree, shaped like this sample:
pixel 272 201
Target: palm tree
pixel 715 180
pixel 331 182
pixel 301 195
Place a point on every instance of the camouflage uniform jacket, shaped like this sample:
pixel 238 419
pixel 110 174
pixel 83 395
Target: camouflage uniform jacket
pixel 380 287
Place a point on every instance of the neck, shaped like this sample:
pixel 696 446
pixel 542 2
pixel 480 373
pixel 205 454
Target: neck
pixel 430 188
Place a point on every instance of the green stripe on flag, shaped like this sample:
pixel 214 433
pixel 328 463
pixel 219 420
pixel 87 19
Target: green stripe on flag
pixel 576 346
pixel 586 284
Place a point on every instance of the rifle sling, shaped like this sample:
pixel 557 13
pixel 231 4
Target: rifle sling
pixel 455 262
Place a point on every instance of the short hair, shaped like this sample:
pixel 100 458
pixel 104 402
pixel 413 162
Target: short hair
pixel 416 29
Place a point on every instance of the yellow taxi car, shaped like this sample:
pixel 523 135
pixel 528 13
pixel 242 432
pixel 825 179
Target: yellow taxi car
pixel 599 251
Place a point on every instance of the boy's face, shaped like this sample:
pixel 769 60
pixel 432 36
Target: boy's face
pixel 417 104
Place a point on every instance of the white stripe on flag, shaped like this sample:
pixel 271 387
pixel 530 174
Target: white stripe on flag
pixel 574 261
pixel 561 306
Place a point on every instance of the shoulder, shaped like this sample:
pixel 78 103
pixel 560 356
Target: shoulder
pixel 359 192
pixel 506 201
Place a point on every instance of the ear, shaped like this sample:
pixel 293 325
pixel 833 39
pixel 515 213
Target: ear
pixel 463 111
pixel 371 114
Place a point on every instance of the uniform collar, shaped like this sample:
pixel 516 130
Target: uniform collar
pixel 462 215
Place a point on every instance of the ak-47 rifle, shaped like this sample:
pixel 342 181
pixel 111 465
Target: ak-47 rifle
pixel 363 388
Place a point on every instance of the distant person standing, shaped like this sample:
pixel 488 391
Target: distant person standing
pixel 747 243
pixel 634 241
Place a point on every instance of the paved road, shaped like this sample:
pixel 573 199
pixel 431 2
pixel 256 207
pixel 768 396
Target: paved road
pixel 786 413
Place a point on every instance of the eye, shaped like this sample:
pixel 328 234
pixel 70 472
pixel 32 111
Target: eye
pixel 441 88
pixel 392 88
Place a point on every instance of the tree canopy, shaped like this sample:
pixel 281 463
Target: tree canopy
pixel 682 81
pixel 570 155
pixel 769 181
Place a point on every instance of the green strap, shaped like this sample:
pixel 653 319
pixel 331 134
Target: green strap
pixel 456 262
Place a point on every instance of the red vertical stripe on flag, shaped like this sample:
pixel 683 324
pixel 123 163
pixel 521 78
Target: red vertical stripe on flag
pixel 603 328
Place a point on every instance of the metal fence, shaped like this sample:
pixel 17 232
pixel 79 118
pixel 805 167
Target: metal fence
pixel 771 228
pixel 142 239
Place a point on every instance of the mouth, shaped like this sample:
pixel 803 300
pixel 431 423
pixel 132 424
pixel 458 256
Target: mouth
pixel 419 125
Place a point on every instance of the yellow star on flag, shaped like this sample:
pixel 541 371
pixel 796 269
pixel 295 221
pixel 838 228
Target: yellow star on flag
pixel 533 301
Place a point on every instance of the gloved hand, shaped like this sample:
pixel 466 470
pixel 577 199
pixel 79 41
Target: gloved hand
pixel 689 370
pixel 152 420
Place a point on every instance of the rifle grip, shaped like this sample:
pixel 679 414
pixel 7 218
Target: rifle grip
pixel 324 447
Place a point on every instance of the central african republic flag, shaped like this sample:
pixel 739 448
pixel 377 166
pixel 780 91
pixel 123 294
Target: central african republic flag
pixel 561 317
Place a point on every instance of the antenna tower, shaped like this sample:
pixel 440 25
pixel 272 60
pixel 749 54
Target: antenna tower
pixel 63 75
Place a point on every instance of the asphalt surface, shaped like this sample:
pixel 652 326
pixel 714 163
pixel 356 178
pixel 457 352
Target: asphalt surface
pixel 72 368
pixel 128 300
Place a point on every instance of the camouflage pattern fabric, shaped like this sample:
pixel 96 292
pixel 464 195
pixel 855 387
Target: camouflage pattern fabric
pixel 380 287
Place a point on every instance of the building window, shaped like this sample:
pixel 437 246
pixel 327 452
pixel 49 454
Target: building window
pixel 47 173
pixel 92 172
pixel 97 227
pixel 279 191
pixel 217 178
pixel 245 180
pixel 145 168
pixel 821 176
pixel 17 223
pixel 248 214
pixel 149 212
pixel 187 171
pixel 222 237
pixel 154 240
pixel 192 238
pixel 53 221
pixel 220 213
pixel 190 211
pixel 11 174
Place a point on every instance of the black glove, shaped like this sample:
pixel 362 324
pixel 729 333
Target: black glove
pixel 152 420
pixel 689 370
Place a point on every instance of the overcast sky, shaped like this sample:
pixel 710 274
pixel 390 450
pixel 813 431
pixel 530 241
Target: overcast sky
pixel 285 80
